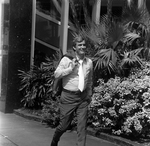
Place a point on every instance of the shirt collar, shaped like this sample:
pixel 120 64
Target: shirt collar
pixel 84 59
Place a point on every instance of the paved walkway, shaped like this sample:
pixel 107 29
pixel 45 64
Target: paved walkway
pixel 18 131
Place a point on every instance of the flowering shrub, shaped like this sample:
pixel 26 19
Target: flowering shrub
pixel 123 104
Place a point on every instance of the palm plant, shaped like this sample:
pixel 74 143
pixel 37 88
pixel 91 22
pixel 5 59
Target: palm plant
pixel 138 23
pixel 109 45
pixel 119 46
pixel 37 83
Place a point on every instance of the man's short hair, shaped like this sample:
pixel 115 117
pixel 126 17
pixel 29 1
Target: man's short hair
pixel 77 39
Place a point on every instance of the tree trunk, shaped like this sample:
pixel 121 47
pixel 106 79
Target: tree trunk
pixel 109 10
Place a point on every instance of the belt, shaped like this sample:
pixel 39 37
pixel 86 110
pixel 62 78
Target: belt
pixel 73 92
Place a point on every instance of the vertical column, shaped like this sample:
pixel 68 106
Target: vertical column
pixel 33 32
pixel 96 11
pixel 2 103
pixel 4 45
pixel 64 26
pixel 19 50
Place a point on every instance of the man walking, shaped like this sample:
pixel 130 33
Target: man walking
pixel 77 75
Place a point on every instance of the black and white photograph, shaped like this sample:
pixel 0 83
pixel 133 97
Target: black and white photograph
pixel 74 72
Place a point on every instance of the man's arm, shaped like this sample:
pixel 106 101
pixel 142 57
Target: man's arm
pixel 90 80
pixel 64 68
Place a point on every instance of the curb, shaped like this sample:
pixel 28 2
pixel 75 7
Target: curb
pixel 113 139
pixel 28 116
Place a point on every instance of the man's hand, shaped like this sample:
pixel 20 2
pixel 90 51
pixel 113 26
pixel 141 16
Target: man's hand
pixel 73 64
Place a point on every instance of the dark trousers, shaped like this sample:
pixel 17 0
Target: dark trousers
pixel 70 103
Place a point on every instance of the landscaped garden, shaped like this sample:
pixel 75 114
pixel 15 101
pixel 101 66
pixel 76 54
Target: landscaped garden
pixel 120 51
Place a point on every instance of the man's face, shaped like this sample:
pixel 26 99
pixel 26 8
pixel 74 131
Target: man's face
pixel 80 48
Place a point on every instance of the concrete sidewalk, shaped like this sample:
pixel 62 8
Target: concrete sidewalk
pixel 19 131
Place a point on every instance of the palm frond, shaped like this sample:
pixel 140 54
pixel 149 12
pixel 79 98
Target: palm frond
pixel 95 34
pixel 132 58
pixel 106 58
pixel 138 28
pixel 136 15
pixel 147 53
pixel 116 33
pixel 133 14
pixel 102 34
pixel 130 37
